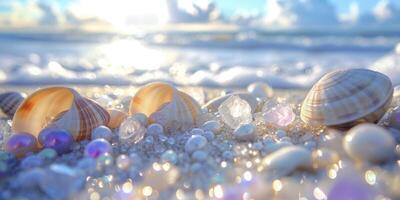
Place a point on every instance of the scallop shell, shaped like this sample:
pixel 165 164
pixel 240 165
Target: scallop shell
pixel 214 104
pixel 9 102
pixel 116 118
pixel 59 107
pixel 347 97
pixel 166 105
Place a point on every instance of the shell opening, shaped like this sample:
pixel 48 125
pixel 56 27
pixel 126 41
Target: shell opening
pixel 42 107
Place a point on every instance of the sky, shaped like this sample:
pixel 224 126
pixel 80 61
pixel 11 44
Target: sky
pixel 120 13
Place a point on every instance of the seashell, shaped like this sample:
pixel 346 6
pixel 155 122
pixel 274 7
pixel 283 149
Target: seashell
pixel 116 118
pixel 214 104
pixel 9 102
pixel 369 142
pixel 59 107
pixel 346 97
pixel 260 90
pixel 164 104
pixel 287 159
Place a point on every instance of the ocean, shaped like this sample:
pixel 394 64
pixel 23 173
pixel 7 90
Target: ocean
pixel 283 59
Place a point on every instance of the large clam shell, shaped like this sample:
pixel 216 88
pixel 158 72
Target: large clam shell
pixel 166 105
pixel 9 102
pixel 347 97
pixel 59 107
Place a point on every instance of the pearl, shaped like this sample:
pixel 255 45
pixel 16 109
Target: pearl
pixel 21 144
pixel 155 129
pixel 97 148
pixel 58 139
pixel 102 132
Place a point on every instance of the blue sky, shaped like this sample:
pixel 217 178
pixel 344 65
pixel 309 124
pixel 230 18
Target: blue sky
pixel 229 7
pixel 122 13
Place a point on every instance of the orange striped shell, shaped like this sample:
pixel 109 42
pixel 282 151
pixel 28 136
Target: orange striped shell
pixel 59 107
pixel 347 97
pixel 166 105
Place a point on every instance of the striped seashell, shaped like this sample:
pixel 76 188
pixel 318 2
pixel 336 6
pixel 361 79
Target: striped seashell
pixel 347 97
pixel 214 104
pixel 9 102
pixel 166 105
pixel 59 107
pixel 116 118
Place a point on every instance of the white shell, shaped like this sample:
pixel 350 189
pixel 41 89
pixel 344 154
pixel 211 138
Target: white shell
pixel 214 104
pixel 260 90
pixel 369 142
pixel 9 102
pixel 164 104
pixel 245 132
pixel 346 97
pixel 287 159
pixel 59 107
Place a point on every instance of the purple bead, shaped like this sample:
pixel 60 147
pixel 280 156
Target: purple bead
pixel 97 148
pixel 21 144
pixel 58 139
pixel 349 189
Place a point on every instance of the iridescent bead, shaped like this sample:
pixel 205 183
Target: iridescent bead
pixel 102 132
pixel 58 139
pixel 123 161
pixel 97 148
pixel 21 144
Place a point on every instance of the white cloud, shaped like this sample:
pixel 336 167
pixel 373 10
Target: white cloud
pixel 385 13
pixel 300 13
pixel 185 11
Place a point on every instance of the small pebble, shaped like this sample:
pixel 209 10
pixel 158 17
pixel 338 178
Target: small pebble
pixel 197 131
pixel 195 167
pixel 31 162
pixel 280 133
pixel 245 132
pixel 199 155
pixel 195 142
pixel 169 156
pixel 369 142
pixel 48 154
pixel 102 132
pixel 212 125
pixel 140 117
pixel 209 135
pixel 155 129
pixel 287 159
pixel 228 155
